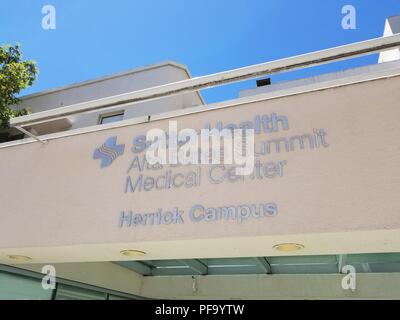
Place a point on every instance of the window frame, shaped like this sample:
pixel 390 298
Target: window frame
pixel 110 115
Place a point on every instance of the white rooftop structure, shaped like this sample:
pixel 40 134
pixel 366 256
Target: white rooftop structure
pixel 392 26
pixel 116 84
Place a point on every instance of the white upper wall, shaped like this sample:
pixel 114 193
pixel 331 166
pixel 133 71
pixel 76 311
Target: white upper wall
pixel 392 26
pixel 129 81
pixel 325 79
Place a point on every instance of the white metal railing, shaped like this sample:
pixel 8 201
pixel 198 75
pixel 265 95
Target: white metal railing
pixel 217 79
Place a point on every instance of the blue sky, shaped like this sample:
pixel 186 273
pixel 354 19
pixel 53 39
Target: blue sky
pixel 99 37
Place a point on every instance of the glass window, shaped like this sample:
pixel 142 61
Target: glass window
pixel 16 287
pixel 111 118
pixel 112 297
pixel 66 292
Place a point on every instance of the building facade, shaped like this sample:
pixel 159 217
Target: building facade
pixel 322 196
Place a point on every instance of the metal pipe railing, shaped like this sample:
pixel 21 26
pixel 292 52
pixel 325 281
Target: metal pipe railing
pixel 217 79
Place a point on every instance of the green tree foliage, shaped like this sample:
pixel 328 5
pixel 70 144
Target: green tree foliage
pixel 15 75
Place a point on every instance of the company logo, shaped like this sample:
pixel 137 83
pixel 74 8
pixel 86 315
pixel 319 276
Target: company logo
pixel 108 152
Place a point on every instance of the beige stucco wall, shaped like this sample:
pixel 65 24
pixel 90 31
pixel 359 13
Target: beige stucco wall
pixel 58 205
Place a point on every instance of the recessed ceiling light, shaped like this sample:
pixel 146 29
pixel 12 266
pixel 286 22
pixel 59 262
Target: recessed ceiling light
pixel 133 253
pixel 19 258
pixel 287 247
